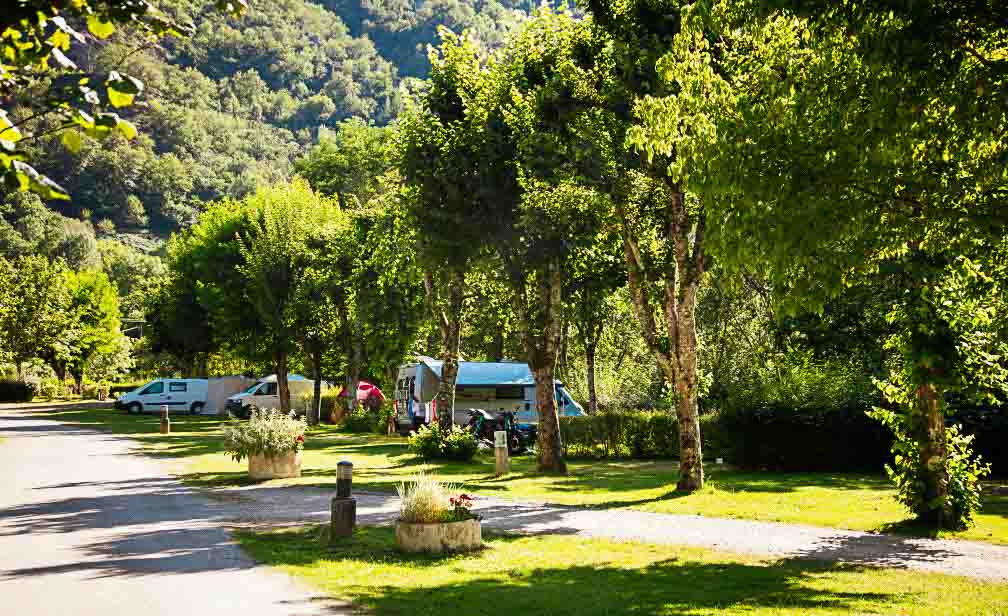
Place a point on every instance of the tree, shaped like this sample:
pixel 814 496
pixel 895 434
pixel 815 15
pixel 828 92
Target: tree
pixel 541 139
pixel 436 160
pixel 877 132
pixel 594 275
pixel 93 327
pixel 275 259
pixel 35 310
pixel 36 42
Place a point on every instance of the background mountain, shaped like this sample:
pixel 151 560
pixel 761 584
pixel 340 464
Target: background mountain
pixel 233 106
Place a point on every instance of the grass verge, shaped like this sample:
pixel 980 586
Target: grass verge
pixel 847 500
pixel 563 575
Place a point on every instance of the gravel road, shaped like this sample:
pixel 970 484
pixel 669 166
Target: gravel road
pixel 87 528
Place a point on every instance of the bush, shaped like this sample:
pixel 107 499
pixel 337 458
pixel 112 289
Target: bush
pixel 361 420
pixel 121 388
pixel 431 442
pixel 621 434
pixel 426 501
pixel 267 432
pixel 16 391
pixel 50 388
pixel 964 472
pixel 331 411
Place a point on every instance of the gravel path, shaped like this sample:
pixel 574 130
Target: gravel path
pixel 279 506
pixel 87 528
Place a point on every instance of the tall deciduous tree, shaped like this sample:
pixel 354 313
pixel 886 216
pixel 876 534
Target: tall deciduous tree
pixel 662 228
pixel 847 141
pixel 274 263
pixel 437 157
pixel 34 308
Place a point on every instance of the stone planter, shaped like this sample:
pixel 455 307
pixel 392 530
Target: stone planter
pixel 463 536
pixel 275 467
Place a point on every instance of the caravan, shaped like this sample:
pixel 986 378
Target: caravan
pixel 490 386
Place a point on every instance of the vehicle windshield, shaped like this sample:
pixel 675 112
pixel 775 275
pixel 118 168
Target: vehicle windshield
pixel 252 389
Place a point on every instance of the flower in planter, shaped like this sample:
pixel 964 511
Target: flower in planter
pixel 461 506
pixel 267 432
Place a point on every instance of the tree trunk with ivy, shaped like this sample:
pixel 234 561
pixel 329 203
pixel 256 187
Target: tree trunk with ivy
pixel 672 337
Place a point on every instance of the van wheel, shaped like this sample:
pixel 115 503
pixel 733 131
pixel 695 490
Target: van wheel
pixel 134 408
pixel 196 408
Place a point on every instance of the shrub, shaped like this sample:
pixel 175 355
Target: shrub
pixel 267 432
pixel 50 388
pixel 621 434
pixel 964 471
pixel 89 391
pixel 331 410
pixel 427 501
pixel 121 388
pixel 360 420
pixel 16 391
pixel 432 442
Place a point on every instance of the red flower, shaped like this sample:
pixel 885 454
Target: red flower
pixel 300 439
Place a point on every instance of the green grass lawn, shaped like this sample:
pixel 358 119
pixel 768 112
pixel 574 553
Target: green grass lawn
pixel 562 575
pixel 842 500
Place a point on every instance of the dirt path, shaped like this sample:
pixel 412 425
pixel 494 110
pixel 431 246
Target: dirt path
pixel 87 528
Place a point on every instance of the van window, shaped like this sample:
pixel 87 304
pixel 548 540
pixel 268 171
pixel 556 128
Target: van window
pixel 154 388
pixel 510 392
pixel 176 387
pixel 267 389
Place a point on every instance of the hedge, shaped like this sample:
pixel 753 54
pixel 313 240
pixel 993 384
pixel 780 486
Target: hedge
pixel 771 437
pixel 16 391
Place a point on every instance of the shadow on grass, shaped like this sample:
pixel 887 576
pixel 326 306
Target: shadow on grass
pixel 497 580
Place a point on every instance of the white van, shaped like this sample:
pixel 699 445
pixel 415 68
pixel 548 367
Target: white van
pixel 179 395
pixel 265 394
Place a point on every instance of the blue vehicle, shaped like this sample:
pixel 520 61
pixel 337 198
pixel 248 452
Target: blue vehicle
pixel 490 386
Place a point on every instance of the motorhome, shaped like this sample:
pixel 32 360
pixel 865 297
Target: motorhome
pixel 491 386
pixel 264 394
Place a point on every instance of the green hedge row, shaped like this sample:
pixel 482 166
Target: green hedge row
pixel 771 436
pixel 16 391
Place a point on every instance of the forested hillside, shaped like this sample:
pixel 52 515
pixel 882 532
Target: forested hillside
pixel 232 106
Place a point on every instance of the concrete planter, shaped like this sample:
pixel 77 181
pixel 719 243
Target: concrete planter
pixel 275 467
pixel 463 536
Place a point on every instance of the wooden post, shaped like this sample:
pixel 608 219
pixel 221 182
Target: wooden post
pixel 165 423
pixel 344 507
pixel 501 452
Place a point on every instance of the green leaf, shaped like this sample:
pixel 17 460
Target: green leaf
pixel 99 28
pixel 72 140
pixel 126 129
pixel 122 89
pixel 31 180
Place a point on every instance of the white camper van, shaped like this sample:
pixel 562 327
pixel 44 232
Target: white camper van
pixel 491 386
pixel 183 395
pixel 179 395
pixel 265 394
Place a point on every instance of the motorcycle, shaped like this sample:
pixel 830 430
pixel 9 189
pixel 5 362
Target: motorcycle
pixel 484 423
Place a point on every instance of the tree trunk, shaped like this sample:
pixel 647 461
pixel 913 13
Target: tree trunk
pixel 590 364
pixel 283 389
pixel 542 352
pixel 929 434
pixel 691 475
pixel 451 328
pixel 674 343
pixel 550 447
pixel 497 351
pixel 315 411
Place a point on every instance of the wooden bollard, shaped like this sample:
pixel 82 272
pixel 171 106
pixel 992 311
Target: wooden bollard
pixel 344 506
pixel 165 422
pixel 501 452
